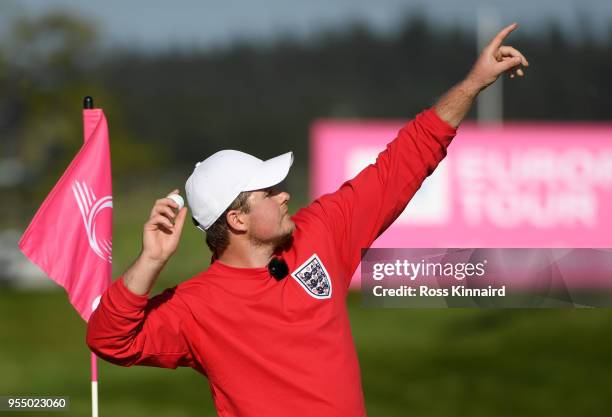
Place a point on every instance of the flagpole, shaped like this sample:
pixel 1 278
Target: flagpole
pixel 94 385
pixel 88 104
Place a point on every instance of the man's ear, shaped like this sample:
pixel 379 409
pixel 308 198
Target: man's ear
pixel 236 220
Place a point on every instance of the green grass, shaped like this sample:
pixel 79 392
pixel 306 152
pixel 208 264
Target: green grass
pixel 413 362
pixel 484 362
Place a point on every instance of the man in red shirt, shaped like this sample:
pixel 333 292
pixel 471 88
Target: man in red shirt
pixel 267 321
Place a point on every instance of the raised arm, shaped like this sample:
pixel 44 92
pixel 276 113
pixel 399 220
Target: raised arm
pixel 160 239
pixel 128 328
pixel 365 206
pixel 494 60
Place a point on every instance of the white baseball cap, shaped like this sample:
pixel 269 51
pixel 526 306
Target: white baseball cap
pixel 219 179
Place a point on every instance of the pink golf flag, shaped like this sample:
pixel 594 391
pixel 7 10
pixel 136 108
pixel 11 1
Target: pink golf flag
pixel 70 237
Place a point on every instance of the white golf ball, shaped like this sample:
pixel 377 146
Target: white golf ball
pixel 178 200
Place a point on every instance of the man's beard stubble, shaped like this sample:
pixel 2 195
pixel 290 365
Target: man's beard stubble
pixel 279 243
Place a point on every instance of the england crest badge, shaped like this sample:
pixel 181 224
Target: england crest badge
pixel 314 278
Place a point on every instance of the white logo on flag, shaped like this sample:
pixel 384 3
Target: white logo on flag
pixel 91 207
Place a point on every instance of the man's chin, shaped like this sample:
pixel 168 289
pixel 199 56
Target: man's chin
pixel 291 227
pixel 279 242
pixel 286 239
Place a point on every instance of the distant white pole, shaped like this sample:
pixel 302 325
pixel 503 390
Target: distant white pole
pixel 489 104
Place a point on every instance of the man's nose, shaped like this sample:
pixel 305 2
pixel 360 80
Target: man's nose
pixel 284 197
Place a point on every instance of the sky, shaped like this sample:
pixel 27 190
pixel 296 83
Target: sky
pixel 158 24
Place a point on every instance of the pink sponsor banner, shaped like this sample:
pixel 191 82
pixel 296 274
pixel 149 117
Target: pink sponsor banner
pixel 520 185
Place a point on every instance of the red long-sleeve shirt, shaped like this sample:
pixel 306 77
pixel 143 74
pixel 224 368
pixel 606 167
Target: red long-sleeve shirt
pixel 277 348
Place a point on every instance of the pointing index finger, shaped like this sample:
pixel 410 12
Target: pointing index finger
pixel 499 38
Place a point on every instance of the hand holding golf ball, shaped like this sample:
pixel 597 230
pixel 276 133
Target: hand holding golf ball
pixel 178 200
pixel 162 231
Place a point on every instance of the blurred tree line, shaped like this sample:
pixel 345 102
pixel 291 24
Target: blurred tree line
pixel 170 108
